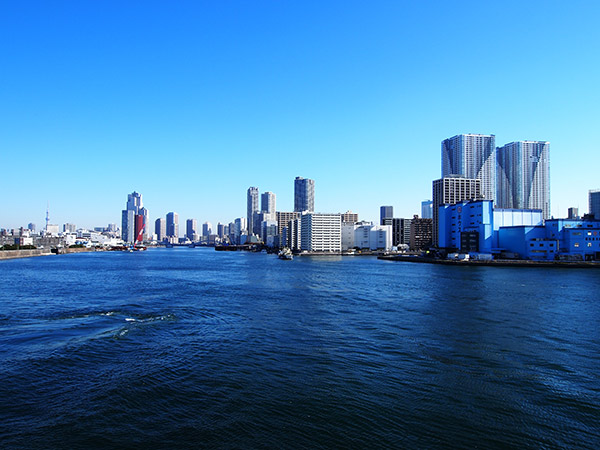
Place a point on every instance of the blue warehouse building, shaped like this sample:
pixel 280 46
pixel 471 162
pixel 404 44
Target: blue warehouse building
pixel 476 227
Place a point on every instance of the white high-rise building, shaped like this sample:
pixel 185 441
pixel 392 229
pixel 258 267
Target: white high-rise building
pixel 304 194
pixel 160 228
pixel 321 232
pixel 173 224
pixel 267 202
pixel 471 156
pixel 523 176
pixel 252 210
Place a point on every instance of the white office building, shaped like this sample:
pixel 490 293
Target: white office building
pixel 321 233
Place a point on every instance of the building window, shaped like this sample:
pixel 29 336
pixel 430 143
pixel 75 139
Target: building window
pixel 576 244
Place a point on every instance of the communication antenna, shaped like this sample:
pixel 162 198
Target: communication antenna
pixel 47 215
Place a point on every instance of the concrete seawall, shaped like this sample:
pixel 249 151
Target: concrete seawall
pixel 13 254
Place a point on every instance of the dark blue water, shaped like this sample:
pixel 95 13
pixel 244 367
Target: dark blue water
pixel 188 348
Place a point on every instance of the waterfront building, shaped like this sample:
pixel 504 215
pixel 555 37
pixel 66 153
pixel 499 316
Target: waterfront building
pixel 349 217
pixel 427 209
pixel 321 232
pixel 252 210
pixel 268 232
pixel 207 230
pixel 348 235
pixel 421 231
pixel 304 194
pixel 239 230
pixel 112 228
pixel 132 228
pixel 221 230
pixel 368 236
pixel 283 218
pixel 52 229
pixel 385 212
pixel 400 232
pixel 473 226
pixel 294 234
pixel 449 191
pixel 471 156
pixel 267 202
pixel 573 213
pixel 191 229
pixel 594 203
pixel 160 228
pixel 173 225
pixel 523 176
pixel 69 228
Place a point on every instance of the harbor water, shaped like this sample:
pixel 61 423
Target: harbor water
pixel 192 348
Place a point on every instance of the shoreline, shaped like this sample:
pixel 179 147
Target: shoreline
pixel 494 262
pixel 6 255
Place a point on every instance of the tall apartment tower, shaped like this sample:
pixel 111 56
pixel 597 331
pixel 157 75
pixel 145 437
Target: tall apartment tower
pixel 471 156
pixel 207 229
pixel 252 208
pixel 448 191
pixel 594 199
pixel 160 228
pixel 173 224
pixel 304 194
pixel 267 202
pixel 134 228
pixel 191 229
pixel 523 176
pixel 385 212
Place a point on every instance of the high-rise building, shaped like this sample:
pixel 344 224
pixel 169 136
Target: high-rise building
pixel 191 229
pixel 594 200
pixel 283 219
pixel 31 227
pixel 573 213
pixel 385 212
pixel 304 194
pixel 134 229
pixel 349 217
pixel 523 176
pixel 160 228
pixel 401 231
pixel 173 225
pixel 252 209
pixel 426 209
pixel 69 228
pixel 321 232
pixel 206 229
pixel 471 156
pixel 267 202
pixel 421 231
pixel 448 191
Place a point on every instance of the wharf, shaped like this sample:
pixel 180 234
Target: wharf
pixel 494 262
pixel 16 254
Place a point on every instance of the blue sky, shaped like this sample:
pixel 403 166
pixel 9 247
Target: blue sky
pixel 190 103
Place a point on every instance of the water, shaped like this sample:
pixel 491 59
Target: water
pixel 188 348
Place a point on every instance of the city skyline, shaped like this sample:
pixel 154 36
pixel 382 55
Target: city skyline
pixel 258 94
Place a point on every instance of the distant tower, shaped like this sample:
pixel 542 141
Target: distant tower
pixel 471 156
pixel 134 228
pixel 386 212
pixel 594 199
pixel 427 209
pixel 47 215
pixel 160 228
pixel 173 224
pixel 267 202
pixel 304 194
pixel 252 209
pixel 191 231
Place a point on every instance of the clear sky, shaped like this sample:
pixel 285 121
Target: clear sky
pixel 191 102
